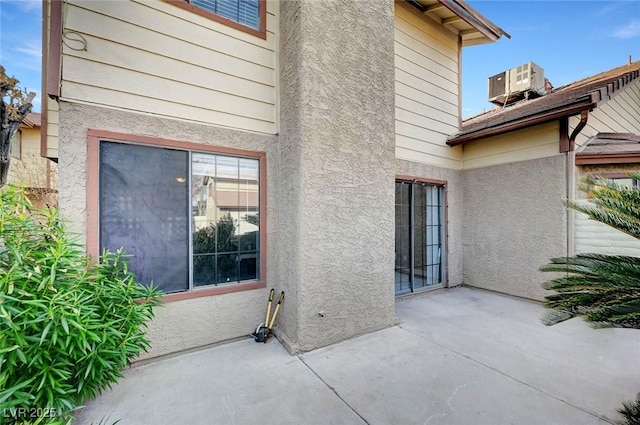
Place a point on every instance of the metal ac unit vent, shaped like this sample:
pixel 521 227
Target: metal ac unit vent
pixel 497 85
pixel 526 80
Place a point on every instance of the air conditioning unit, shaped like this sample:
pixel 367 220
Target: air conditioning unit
pixel 526 80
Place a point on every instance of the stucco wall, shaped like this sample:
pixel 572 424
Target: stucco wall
pixel 336 218
pixel 455 208
pixel 179 325
pixel 514 221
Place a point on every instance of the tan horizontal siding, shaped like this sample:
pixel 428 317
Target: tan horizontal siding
pixel 429 112
pixel 421 50
pixel 413 125
pixel 429 117
pixel 427 90
pixel 530 143
pixel 436 66
pixel 188 16
pixel 168 47
pixel 30 169
pixel 50 117
pixel 440 87
pixel 164 18
pixel 160 59
pixel 147 63
pixel 80 71
pixel 422 154
pixel 618 115
pixel 52 129
pixel 443 40
pixel 591 236
pixel 413 93
pixel 187 112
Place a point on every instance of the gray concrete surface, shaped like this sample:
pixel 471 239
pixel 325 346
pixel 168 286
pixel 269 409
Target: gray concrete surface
pixel 459 356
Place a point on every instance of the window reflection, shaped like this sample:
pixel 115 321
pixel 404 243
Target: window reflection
pixel 225 209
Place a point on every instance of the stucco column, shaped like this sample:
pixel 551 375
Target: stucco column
pixel 336 174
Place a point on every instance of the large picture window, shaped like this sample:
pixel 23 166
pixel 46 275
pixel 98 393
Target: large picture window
pixel 420 236
pixel 189 219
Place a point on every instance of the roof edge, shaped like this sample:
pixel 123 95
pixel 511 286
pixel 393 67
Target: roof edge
pixel 589 100
pixel 608 158
pixel 606 92
pixel 586 104
pixel 475 19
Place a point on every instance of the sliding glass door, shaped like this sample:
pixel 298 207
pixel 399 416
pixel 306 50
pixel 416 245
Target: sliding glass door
pixel 419 236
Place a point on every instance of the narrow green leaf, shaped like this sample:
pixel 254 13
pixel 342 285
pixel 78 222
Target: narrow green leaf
pixel 45 332
pixel 21 355
pixel 65 325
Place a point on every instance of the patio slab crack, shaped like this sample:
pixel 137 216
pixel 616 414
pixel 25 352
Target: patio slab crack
pixel 450 400
pixel 333 390
pixel 466 356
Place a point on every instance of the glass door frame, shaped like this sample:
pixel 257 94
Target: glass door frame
pixel 443 236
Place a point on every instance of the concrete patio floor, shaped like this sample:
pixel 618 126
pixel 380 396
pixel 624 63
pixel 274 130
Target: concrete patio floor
pixel 459 356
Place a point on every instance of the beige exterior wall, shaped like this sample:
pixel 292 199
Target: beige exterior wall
pixel 521 145
pixel 618 115
pixel 52 129
pixel 514 186
pixel 336 175
pixel 49 106
pixel 596 237
pixel 541 141
pixel 156 58
pixel 426 89
pixel 514 222
pixel 185 324
pixel 30 169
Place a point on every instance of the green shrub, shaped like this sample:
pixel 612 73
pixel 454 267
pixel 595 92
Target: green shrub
pixel 68 327
pixel 604 289
pixel 630 410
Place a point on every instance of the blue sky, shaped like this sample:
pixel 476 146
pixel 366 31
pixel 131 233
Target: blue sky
pixel 570 40
pixel 20 40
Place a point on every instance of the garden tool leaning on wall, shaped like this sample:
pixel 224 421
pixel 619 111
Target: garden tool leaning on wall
pixel 264 329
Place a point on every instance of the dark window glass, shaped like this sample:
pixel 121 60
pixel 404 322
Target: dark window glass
pixel 152 198
pixel 419 236
pixel 144 208
pixel 403 238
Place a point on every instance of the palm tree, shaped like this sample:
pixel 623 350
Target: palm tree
pixel 604 289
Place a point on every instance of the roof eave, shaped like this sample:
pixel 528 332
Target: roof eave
pixel 26 123
pixel 524 122
pixel 491 31
pixel 606 159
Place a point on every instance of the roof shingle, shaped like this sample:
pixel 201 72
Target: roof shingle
pixel 563 101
